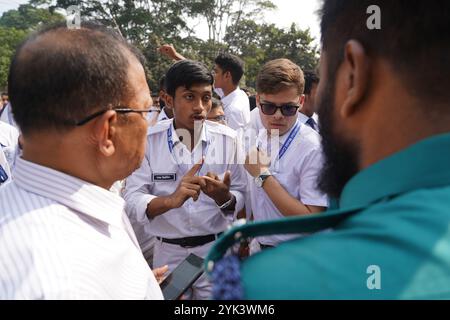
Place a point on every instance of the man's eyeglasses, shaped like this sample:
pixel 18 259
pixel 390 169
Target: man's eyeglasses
pixel 143 112
pixel 287 110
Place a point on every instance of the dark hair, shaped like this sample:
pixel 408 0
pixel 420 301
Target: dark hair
pixel 230 63
pixel 216 103
pixel 278 75
pixel 414 39
pixel 186 73
pixel 252 101
pixel 3 94
pixel 311 78
pixel 59 75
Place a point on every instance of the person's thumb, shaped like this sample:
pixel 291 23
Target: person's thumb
pixel 227 178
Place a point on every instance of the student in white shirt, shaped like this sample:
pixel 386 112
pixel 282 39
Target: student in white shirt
pixel 7 116
pixel 185 203
pixel 286 163
pixel 9 148
pixel 166 112
pixel 228 71
pixel 63 234
pixel 308 113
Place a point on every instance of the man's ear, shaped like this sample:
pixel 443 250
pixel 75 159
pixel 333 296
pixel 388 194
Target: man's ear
pixel 355 72
pixel 169 101
pixel 228 76
pixel 105 129
pixel 301 100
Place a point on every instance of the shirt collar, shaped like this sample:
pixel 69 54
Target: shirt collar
pixel 70 191
pixel 422 165
pixel 227 99
pixel 176 139
pixel 302 117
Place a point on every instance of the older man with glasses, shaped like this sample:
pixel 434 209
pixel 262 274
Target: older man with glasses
pixel 63 234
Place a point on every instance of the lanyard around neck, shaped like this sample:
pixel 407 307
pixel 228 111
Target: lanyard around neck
pixel 171 145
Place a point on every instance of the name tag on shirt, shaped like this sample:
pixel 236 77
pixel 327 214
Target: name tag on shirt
pixel 164 177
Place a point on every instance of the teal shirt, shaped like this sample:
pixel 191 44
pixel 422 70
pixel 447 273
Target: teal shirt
pixel 390 238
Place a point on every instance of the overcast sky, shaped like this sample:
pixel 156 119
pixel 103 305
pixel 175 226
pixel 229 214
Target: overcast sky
pixel 301 12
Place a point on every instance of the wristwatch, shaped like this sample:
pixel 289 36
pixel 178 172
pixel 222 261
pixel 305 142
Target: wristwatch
pixel 259 180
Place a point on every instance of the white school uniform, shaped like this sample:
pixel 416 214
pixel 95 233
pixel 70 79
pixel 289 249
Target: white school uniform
pixel 166 161
pixel 9 149
pixel 236 107
pixel 297 171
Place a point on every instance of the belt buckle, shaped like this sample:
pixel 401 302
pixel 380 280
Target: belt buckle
pixel 184 244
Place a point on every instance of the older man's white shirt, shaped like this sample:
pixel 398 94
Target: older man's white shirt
pixel 63 238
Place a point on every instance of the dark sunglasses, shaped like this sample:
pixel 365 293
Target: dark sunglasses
pixel 287 110
pixel 143 112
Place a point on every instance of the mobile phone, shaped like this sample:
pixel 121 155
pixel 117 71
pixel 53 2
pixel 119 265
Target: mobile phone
pixel 182 277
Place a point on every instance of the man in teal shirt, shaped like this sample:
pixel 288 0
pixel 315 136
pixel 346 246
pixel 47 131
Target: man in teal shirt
pixel 385 120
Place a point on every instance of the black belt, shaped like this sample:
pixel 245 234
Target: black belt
pixel 191 242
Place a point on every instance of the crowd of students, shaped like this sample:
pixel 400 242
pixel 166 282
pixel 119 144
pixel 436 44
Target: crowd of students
pixel 105 180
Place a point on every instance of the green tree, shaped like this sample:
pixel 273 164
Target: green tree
pixel 28 17
pixel 10 39
pixel 259 43
pixel 14 28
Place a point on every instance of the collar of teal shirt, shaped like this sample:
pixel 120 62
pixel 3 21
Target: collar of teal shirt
pixel 422 165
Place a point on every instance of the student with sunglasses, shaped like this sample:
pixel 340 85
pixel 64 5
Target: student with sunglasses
pixel 285 163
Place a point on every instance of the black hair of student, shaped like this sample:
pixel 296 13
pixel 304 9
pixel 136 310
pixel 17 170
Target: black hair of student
pixel 231 63
pixel 311 78
pixel 252 101
pixel 3 94
pixel 414 38
pixel 216 103
pixel 59 76
pixel 187 73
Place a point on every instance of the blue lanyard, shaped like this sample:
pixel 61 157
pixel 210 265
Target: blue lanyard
pixel 289 140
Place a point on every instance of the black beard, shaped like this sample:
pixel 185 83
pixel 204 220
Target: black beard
pixel 341 157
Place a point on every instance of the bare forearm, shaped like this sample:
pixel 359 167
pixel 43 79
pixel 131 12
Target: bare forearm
pixel 285 203
pixel 159 206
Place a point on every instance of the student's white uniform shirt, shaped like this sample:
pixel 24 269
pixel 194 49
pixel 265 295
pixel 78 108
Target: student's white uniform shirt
pixel 9 141
pixel 162 115
pixel 297 171
pixel 255 121
pixel 64 238
pixel 304 118
pixel 7 116
pixel 156 177
pixel 236 107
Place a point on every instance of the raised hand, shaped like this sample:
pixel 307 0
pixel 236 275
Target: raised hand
pixel 189 187
pixel 169 51
pixel 216 189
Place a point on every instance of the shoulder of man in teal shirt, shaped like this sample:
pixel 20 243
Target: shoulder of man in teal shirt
pixel 390 237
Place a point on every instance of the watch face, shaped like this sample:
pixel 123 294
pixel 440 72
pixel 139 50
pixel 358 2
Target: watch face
pixel 258 182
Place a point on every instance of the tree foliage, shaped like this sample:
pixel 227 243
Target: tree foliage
pixel 232 26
